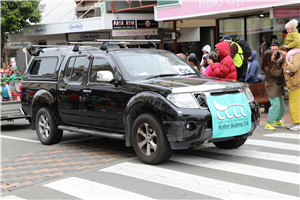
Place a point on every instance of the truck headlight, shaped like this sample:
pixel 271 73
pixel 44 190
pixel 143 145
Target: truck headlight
pixel 183 100
pixel 248 94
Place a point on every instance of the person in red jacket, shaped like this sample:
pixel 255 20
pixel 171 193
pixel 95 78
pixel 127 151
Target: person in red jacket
pixel 226 69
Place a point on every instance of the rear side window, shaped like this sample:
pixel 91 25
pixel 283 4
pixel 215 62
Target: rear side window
pixel 75 67
pixel 44 66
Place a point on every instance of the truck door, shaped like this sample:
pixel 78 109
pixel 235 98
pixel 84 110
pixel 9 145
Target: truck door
pixel 104 103
pixel 70 96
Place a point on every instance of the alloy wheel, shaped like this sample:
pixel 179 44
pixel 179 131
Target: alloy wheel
pixel 147 139
pixel 44 126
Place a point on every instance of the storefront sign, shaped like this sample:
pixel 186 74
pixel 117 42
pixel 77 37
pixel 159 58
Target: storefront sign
pixel 147 24
pixel 184 35
pixel 188 9
pixel 123 24
pixel 135 32
pixel 18 45
pixel 40 30
pixel 286 12
pixel 85 25
pixel 167 36
pixel 75 27
pixel 87 36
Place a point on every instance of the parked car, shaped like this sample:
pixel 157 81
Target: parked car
pixel 150 98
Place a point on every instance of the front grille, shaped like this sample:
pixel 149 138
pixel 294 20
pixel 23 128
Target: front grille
pixel 201 98
pixel 224 92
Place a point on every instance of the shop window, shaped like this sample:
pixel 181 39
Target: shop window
pixel 262 32
pixel 43 67
pixel 185 47
pixel 259 33
pixel 234 27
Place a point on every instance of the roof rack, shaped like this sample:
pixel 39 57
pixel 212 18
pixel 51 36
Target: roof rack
pixel 121 42
pixel 103 42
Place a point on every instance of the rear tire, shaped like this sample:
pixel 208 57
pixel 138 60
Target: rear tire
pixel 231 144
pixel 46 127
pixel 149 140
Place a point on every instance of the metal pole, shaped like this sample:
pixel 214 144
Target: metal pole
pixel 25 51
pixel 175 41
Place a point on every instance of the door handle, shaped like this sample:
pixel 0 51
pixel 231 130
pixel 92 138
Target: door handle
pixel 62 89
pixel 87 91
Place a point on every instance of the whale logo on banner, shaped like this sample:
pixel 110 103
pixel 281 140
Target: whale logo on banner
pixel 225 108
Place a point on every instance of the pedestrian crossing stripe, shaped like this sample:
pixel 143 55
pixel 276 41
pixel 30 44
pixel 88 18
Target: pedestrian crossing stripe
pixel 197 184
pixel 85 189
pixel 255 154
pixel 284 135
pixel 243 169
pixel 272 144
pixel 12 197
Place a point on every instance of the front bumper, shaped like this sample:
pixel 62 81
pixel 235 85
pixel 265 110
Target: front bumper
pixel 200 120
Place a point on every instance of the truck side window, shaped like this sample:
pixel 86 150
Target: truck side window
pixel 75 67
pixel 99 64
pixel 43 67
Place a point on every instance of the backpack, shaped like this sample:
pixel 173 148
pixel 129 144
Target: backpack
pixel 245 46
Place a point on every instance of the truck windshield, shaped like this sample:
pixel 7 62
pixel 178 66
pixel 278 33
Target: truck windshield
pixel 143 65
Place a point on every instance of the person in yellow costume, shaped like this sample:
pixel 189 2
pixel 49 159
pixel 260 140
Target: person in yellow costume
pixel 293 85
pixel 292 40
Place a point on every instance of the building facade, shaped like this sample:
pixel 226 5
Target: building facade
pixel 260 22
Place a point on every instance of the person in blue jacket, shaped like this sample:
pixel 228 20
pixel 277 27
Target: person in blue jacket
pixel 253 68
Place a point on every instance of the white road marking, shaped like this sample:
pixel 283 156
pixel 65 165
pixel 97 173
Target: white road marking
pixel 22 139
pixel 11 197
pixel 256 154
pixel 86 189
pixel 261 172
pixel 284 135
pixel 271 144
pixel 193 183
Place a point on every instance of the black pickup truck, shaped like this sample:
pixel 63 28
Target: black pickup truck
pixel 150 98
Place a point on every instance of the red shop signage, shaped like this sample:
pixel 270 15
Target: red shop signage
pixel 286 12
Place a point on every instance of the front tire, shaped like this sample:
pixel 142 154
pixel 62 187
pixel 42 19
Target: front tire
pixel 46 127
pixel 149 140
pixel 231 144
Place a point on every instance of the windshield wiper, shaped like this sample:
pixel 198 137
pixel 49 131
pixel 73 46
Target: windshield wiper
pixel 188 74
pixel 161 75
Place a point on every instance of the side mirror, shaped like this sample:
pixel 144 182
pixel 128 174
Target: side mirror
pixel 105 76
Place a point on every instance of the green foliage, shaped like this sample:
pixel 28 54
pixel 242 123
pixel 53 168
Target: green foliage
pixel 18 14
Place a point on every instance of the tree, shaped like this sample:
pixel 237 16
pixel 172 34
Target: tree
pixel 16 15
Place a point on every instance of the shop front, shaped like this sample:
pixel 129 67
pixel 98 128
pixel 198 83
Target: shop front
pixel 261 23
pixel 260 30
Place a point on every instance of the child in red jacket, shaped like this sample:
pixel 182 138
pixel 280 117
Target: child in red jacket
pixel 226 69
